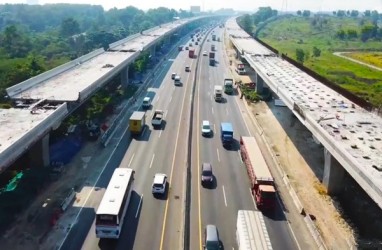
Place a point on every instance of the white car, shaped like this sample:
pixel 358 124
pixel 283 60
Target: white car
pixel 204 53
pixel 206 128
pixel 146 102
pixel 159 184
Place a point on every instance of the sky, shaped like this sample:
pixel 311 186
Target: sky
pixel 248 5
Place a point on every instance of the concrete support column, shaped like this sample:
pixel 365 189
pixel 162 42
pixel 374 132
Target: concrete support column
pixel 259 84
pixel 38 154
pixel 125 76
pixel 333 174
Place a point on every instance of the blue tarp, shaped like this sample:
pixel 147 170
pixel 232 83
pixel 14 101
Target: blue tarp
pixel 64 150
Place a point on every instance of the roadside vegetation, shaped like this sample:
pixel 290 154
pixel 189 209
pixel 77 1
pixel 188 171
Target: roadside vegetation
pixel 312 39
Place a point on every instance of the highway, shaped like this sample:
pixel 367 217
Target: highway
pixel 158 219
pixel 219 204
pixel 156 223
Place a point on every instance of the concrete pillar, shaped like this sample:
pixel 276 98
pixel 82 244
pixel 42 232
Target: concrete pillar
pixel 333 174
pixel 259 84
pixel 38 153
pixel 125 76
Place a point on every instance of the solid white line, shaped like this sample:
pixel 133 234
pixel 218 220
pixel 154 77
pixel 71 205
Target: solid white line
pixel 226 110
pixel 139 205
pixel 170 99
pixel 152 160
pixel 160 133
pixel 131 160
pixel 165 113
pixel 217 151
pixel 157 98
pixel 225 199
pixel 212 110
pixel 241 160
pixel 214 127
pixel 91 190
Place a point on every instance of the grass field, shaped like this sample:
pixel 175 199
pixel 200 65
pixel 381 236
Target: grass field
pixel 286 35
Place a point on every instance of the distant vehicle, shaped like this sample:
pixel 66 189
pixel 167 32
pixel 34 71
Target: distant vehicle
pixel 204 53
pixel 212 47
pixel 262 183
pixel 218 39
pixel 180 48
pixel 212 58
pixel 213 37
pixel 206 128
pixel 177 81
pixel 240 68
pixel 208 40
pixel 137 122
pixel 211 239
pixel 226 134
pixel 191 53
pixel 218 93
pixel 249 225
pixel 146 102
pixel 111 212
pixel 190 44
pixel 187 69
pixel 159 184
pixel 228 85
pixel 207 175
pixel 196 43
pixel 157 118
pixel 186 48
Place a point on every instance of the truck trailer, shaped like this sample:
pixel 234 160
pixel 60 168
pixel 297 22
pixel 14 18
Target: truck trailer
pixel 137 122
pixel 228 85
pixel 226 134
pixel 218 93
pixel 261 179
pixel 251 233
pixel 191 53
pixel 212 58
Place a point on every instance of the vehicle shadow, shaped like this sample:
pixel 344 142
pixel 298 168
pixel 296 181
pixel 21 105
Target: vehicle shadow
pixel 211 135
pixel 235 146
pixel 164 196
pixel 144 136
pixel 210 185
pixel 222 101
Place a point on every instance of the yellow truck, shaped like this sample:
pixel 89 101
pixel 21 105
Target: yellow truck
pixel 137 122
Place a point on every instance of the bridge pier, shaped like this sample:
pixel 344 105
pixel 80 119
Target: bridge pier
pixel 333 174
pixel 125 76
pixel 259 84
pixel 153 51
pixel 38 154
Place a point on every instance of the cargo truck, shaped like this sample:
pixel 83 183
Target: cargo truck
pixel 157 118
pixel 251 233
pixel 191 53
pixel 228 85
pixel 212 58
pixel 226 134
pixel 218 93
pixel 262 183
pixel 212 47
pixel 213 37
pixel 137 122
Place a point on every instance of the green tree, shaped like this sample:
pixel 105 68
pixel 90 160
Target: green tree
pixel 341 34
pixel 69 27
pixel 299 13
pixel 316 52
pixel 15 43
pixel 306 13
pixel 300 55
pixel 354 13
pixel 247 23
pixel 352 33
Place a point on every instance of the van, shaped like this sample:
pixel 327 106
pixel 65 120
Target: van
pixel 211 238
pixel 146 102
pixel 177 81
pixel 207 175
pixel 173 76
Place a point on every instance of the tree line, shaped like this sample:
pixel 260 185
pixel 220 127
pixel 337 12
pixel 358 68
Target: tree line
pixel 36 38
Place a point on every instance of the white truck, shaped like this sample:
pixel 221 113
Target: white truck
pixel 218 93
pixel 157 118
pixel 177 81
pixel 251 233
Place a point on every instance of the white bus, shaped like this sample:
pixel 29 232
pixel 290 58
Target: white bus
pixel 111 212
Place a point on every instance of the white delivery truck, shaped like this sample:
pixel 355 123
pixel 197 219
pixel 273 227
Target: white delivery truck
pixel 251 233
pixel 218 93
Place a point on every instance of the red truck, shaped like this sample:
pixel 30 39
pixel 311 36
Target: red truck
pixel 191 53
pixel 262 183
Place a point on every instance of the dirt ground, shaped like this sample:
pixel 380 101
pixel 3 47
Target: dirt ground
pixel 303 161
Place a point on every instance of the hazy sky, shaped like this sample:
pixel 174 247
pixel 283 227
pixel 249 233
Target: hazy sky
pixel 249 5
